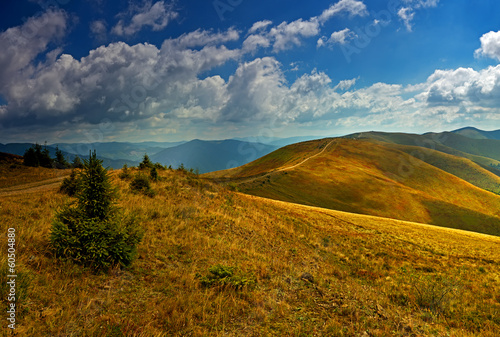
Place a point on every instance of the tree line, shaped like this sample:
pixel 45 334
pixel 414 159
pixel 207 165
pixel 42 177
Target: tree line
pixel 38 156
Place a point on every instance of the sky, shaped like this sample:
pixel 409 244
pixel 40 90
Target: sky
pixel 109 70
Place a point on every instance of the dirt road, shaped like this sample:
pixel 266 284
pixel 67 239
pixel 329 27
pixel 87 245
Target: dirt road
pixel 37 186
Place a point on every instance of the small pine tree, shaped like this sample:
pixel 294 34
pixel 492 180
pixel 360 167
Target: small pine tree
pixel 125 173
pixel 93 232
pixel 77 163
pixel 70 185
pixel 159 166
pixel 153 174
pixel 146 163
pixel 60 161
pixel 141 183
pixel 96 196
pixel 30 158
pixel 45 160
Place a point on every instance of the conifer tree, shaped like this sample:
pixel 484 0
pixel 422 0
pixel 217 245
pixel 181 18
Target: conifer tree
pixel 94 232
pixel 95 198
pixel 45 160
pixel 146 163
pixel 77 162
pixel 60 161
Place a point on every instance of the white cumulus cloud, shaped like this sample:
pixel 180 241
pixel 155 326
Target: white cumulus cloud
pixel 287 35
pixel 490 45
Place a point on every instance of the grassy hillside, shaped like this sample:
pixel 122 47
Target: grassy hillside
pixel 461 167
pixel 310 271
pixel 482 151
pixel 481 147
pixel 367 177
pixel 478 134
pixel 13 172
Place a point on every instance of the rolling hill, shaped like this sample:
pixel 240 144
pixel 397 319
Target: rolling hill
pixel 372 177
pixel 207 156
pixel 475 133
pixel 485 152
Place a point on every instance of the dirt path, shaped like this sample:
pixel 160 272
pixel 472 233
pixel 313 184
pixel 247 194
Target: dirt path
pixel 37 186
pixel 302 162
pixel 259 176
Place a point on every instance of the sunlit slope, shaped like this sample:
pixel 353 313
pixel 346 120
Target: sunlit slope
pixel 485 152
pixel 315 272
pixel 461 167
pixel 366 177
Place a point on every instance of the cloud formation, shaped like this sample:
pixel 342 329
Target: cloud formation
pixel 352 7
pixel 490 45
pixel 21 45
pixel 341 37
pixel 287 35
pixel 99 30
pixel 144 88
pixel 407 12
pixel 154 15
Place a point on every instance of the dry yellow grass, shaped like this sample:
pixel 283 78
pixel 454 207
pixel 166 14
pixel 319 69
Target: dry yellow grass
pixel 366 271
pixel 14 173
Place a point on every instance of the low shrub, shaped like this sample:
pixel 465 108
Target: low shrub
pixel 70 185
pixel 141 184
pixel 225 277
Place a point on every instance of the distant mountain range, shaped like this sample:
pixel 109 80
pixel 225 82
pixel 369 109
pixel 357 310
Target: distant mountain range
pixel 207 156
pixel 203 155
pixel 20 148
pixel 483 147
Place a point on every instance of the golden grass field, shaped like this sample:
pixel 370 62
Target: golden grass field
pixel 376 178
pixel 366 276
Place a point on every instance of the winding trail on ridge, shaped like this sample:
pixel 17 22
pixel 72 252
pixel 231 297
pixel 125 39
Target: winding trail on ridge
pixel 302 162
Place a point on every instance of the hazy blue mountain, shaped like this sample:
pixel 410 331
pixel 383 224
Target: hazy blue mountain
pixel 208 156
pixel 20 148
pixel 117 150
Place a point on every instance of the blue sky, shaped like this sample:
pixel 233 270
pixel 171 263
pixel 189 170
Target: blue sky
pixel 107 70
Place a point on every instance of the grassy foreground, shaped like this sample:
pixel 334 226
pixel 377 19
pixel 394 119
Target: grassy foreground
pixel 309 271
